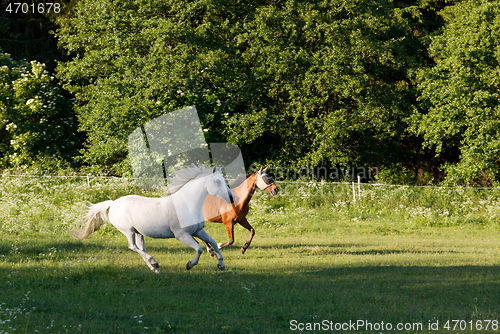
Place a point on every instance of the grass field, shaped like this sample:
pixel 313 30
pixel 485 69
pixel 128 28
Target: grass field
pixel 409 257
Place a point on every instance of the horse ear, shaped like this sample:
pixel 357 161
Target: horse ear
pixel 260 170
pixel 215 168
pixel 265 170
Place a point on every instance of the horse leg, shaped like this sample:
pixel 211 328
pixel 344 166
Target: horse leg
pixel 139 240
pixel 203 235
pixel 150 261
pixel 245 224
pixel 230 233
pixel 189 240
pixel 209 249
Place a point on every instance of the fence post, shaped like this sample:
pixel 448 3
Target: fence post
pixel 359 187
pixel 353 192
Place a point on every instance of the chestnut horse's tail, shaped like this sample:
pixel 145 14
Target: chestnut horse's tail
pixel 96 215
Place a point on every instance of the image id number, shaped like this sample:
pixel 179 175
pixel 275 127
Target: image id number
pixel 40 8
pixel 477 325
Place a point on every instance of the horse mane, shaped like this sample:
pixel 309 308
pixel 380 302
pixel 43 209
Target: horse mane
pixel 185 175
pixel 250 174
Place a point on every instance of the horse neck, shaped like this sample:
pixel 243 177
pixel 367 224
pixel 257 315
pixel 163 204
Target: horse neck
pixel 193 193
pixel 246 190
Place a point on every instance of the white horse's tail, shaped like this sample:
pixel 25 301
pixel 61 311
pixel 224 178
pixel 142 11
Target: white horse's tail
pixel 96 215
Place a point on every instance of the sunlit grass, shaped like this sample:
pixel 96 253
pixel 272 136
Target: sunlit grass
pixel 390 256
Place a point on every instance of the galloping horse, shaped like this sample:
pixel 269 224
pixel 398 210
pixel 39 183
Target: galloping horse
pixel 231 214
pixel 178 214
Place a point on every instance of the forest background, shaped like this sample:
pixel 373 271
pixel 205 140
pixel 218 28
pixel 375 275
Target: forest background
pixel 409 87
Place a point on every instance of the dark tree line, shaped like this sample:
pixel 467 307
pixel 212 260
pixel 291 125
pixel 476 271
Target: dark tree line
pixel 409 87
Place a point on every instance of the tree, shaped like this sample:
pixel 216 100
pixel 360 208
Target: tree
pixel 287 81
pixel 134 61
pixel 36 121
pixel 459 103
pixel 331 82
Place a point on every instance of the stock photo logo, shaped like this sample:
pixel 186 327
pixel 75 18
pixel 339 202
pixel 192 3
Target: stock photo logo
pixel 166 151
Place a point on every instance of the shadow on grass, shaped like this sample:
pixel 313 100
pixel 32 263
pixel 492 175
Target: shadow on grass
pixel 72 247
pixel 342 248
pixel 65 244
pixel 115 299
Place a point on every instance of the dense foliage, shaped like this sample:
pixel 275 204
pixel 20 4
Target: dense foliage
pixel 459 110
pixel 36 121
pixel 407 86
pixel 289 82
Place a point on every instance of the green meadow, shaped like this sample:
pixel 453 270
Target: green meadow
pixel 398 259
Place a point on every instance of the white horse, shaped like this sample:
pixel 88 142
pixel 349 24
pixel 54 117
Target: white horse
pixel 178 214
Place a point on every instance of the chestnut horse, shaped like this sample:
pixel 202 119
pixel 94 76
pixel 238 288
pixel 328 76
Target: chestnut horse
pixel 236 214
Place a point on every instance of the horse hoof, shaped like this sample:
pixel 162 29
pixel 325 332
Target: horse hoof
pixel 155 270
pixel 243 250
pixel 188 266
pixel 221 267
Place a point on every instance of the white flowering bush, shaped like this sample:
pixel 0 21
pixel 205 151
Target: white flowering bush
pixel 32 205
pixel 37 124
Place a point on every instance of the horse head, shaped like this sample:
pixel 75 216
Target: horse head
pixel 216 186
pixel 266 182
